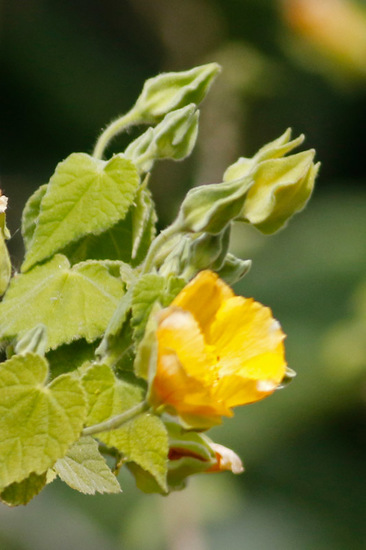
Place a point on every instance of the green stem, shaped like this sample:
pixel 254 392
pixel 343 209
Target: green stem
pixel 156 245
pixel 116 421
pixel 129 119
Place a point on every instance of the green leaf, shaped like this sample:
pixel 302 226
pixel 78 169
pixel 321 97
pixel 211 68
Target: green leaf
pixel 127 241
pixel 83 468
pixel 72 302
pixel 85 195
pixel 108 395
pixel 143 440
pixel 70 357
pixel 30 215
pixel 113 244
pixel 38 422
pixel 22 492
pixel 150 289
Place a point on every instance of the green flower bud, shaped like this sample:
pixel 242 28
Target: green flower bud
pixel 173 138
pixel 282 185
pixel 281 188
pixel 170 91
pixel 210 208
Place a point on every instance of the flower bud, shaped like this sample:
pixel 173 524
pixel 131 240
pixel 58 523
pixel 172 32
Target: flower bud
pixel 281 186
pixel 170 91
pixel 173 138
pixel 211 207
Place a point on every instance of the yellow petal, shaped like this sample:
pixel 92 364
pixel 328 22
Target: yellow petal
pixel 179 331
pixel 203 296
pixel 241 333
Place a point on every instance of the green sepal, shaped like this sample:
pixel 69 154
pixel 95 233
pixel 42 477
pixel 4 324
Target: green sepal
pixel 273 150
pixel 20 493
pixel 85 195
pixel 40 421
pixel 84 469
pixel 72 303
pixel 233 269
pixel 174 138
pixel 169 91
pixel 189 454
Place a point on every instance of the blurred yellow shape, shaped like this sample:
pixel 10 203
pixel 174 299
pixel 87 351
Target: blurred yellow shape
pixel 335 27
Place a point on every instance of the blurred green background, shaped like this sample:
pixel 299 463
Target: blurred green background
pixel 67 69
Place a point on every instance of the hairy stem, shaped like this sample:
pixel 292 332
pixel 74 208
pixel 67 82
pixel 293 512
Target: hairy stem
pixel 115 128
pixel 116 421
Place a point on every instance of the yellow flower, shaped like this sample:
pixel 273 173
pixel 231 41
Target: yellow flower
pixel 215 351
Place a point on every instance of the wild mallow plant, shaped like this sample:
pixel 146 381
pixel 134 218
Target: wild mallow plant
pixel 121 346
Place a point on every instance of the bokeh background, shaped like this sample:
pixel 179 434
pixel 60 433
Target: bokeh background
pixel 68 68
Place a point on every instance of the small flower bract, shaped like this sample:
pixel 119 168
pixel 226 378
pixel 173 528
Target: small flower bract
pixel 215 351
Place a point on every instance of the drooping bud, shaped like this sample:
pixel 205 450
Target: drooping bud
pixel 170 91
pixel 282 185
pixel 173 138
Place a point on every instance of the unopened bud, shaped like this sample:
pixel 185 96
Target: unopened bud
pixel 173 138
pixel 170 91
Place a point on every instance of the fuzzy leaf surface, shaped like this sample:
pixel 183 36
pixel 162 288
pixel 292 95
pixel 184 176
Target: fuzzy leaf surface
pixel 144 439
pixel 108 395
pixel 85 195
pixel 84 469
pixel 72 302
pixel 38 422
